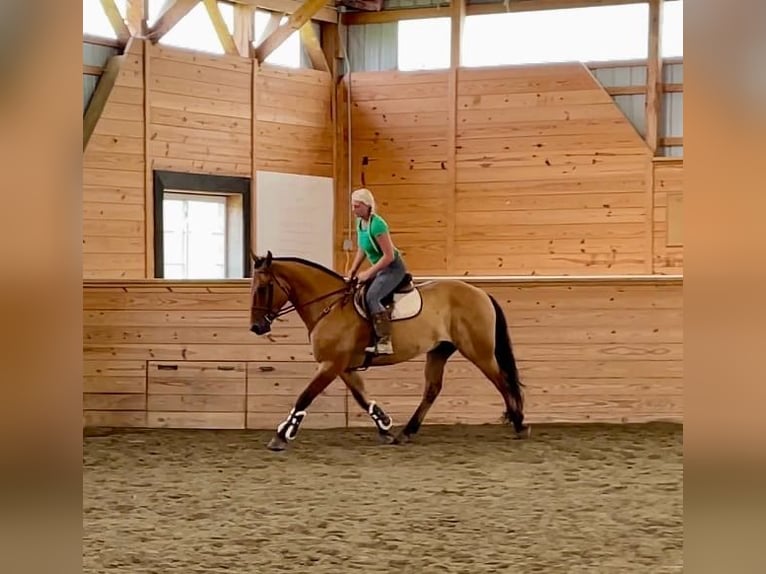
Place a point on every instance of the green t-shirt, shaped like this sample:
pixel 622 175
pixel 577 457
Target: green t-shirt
pixel 376 226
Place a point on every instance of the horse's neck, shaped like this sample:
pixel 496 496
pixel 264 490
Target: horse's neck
pixel 309 285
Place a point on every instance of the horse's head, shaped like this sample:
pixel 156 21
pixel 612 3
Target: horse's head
pixel 267 295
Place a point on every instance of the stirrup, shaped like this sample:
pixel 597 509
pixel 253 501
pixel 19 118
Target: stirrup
pixel 388 349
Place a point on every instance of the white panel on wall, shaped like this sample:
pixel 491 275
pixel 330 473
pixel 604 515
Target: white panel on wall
pixel 294 216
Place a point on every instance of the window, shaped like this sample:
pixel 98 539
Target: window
pixel 573 34
pixel 289 52
pixel 424 44
pixel 201 226
pixel 94 20
pixel 195 31
pixel 672 32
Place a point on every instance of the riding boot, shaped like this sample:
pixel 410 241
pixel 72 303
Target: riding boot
pixel 382 324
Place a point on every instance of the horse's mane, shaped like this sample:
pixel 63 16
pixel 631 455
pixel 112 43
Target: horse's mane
pixel 309 263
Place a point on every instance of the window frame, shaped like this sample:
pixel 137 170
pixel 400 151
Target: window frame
pixel 179 182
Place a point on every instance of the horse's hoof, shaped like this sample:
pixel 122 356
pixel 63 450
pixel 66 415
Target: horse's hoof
pixel 386 438
pixel 525 433
pixel 277 444
pixel 401 438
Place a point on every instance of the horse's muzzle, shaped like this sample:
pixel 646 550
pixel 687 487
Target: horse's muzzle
pixel 261 327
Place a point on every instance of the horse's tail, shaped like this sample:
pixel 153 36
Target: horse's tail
pixel 505 358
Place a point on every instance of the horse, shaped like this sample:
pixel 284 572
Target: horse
pixel 437 318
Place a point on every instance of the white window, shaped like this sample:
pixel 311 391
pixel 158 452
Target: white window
pixel 194 232
pixel 195 31
pixel 289 52
pixel 672 32
pixel 94 20
pixel 424 44
pixel 201 226
pixel 572 34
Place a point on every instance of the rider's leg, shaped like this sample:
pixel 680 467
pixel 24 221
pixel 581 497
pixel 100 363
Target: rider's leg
pixel 384 282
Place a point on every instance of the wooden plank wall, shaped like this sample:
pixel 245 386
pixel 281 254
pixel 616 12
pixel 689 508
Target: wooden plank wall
pixel 200 112
pixel 294 127
pixel 195 116
pixel 668 202
pixel 400 151
pixel 165 354
pixel 550 177
pixel 113 179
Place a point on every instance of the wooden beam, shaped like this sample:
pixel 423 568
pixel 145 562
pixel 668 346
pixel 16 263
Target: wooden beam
pixel 98 41
pixel 174 11
pixel 115 19
pixel 637 90
pixel 92 70
pixel 221 30
pixel 384 16
pixel 327 14
pixel 100 97
pixel 244 30
pixel 457 20
pixel 273 23
pixel 137 11
pixel 313 47
pixel 672 141
pixel 294 22
pixel 654 76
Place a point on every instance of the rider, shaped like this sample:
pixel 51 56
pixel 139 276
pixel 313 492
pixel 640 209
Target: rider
pixel 387 266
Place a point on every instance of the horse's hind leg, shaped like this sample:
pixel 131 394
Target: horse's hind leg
pixel 490 368
pixel 288 429
pixel 382 421
pixel 434 374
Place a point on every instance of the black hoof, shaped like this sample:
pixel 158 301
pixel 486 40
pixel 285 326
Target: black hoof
pixel 386 438
pixel 277 444
pixel 402 438
pixel 524 433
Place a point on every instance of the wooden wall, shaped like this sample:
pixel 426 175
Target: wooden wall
pixel 113 179
pixel 668 216
pixel 170 354
pixel 502 172
pixel 294 127
pixel 196 115
pixel 541 174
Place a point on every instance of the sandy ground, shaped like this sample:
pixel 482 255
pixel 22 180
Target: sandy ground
pixel 595 498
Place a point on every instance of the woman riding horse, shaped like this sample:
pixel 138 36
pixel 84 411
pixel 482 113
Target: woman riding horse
pixel 387 268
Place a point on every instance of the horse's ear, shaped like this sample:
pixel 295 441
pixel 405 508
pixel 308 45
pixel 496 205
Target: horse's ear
pixel 268 259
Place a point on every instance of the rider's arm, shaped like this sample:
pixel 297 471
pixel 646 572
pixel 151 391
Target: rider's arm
pixel 358 259
pixel 387 246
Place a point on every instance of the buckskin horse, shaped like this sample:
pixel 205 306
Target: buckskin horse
pixel 436 318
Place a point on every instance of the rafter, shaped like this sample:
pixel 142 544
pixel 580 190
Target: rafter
pixel 225 37
pixel 244 29
pixel 115 19
pixel 294 23
pixel 313 46
pixel 326 14
pixel 136 16
pixel 100 97
pixel 173 12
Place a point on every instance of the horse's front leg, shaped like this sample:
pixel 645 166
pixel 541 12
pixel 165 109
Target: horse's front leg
pixel 288 429
pixel 382 421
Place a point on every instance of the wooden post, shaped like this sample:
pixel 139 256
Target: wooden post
pixel 457 15
pixel 654 76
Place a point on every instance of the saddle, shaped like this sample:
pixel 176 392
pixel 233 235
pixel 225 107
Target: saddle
pixel 404 302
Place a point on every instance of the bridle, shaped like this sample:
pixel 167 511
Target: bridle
pixel 272 314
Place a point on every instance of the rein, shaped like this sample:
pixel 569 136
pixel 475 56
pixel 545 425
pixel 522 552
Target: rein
pixel 271 315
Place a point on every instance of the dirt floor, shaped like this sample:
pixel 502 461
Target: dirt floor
pixel 603 499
